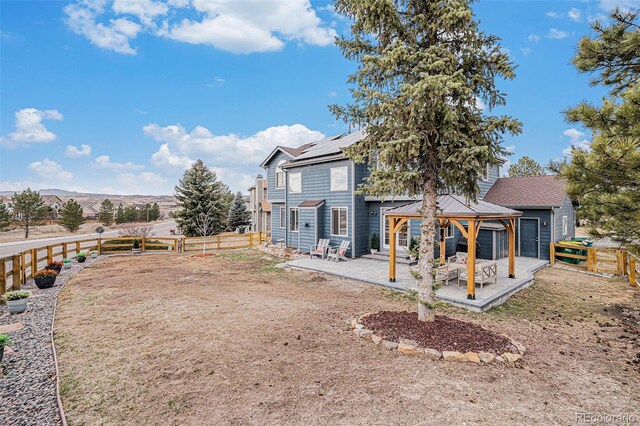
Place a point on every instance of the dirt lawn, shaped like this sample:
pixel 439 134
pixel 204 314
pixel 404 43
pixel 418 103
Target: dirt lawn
pixel 233 339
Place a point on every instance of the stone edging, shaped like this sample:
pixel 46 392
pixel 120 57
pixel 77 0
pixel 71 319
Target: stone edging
pixel 409 347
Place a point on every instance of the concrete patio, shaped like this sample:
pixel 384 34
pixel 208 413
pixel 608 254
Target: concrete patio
pixel 376 272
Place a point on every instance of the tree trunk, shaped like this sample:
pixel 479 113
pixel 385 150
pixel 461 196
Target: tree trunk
pixel 426 294
pixel 26 230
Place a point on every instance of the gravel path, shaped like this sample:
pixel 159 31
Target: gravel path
pixel 28 373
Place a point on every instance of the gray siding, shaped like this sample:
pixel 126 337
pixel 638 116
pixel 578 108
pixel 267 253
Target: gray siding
pixel 544 216
pixel 566 209
pixel 307 229
pixel 272 192
pixel 361 213
pixel 485 244
pixel 277 233
pixel 494 174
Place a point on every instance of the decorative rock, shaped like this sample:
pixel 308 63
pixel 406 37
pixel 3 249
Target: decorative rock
pixel 410 349
pixel 519 346
pixel 389 345
pixel 409 342
pixel 486 357
pixel 354 323
pixel 433 354
pixel 11 327
pixel 454 356
pixel 473 357
pixel 362 332
pixel 359 326
pixel 499 358
pixel 376 339
pixel 511 357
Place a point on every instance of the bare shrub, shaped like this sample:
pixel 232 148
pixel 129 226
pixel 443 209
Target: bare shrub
pixel 137 231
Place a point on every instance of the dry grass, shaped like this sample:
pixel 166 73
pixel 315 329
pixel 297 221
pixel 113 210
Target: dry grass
pixel 234 339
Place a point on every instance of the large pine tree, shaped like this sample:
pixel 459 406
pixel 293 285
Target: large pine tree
pixel 71 216
pixel 423 68
pixel 526 166
pixel 106 212
pixel 238 214
pixel 203 201
pixel 29 209
pixel 6 217
pixel 606 177
pixel 120 218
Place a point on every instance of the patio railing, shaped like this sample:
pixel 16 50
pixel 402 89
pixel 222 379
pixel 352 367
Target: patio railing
pixel 17 269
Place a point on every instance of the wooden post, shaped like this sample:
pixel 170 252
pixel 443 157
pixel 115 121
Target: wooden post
pixel 23 266
pixel 620 266
pixel 392 250
pixel 259 237
pixel 250 239
pixel 100 245
pixel 512 248
pixel 64 251
pixel 632 270
pixel 143 243
pixel 552 254
pixel 34 261
pixel 471 259
pixel 443 241
pixel 77 247
pixel 3 277
pixel 594 260
pixel 217 241
pixel 49 253
pixel 175 245
pixel 17 279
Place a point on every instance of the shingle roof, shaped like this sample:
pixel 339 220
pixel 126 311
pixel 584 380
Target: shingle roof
pixel 294 152
pixel 528 191
pixel 311 203
pixel 332 145
pixel 456 206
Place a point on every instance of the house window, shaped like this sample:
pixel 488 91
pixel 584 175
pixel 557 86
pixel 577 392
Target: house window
pixel 283 218
pixel 295 182
pixel 339 178
pixel 339 221
pixel 565 225
pixel 280 175
pixel 451 230
pixel 485 175
pixel 294 218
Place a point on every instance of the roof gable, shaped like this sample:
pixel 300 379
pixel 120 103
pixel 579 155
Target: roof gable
pixel 528 191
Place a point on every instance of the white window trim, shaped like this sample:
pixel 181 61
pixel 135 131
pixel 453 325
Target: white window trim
pixel 331 221
pixel 297 215
pixel 290 176
pixel 485 177
pixel 565 225
pixel 283 211
pixel 278 171
pixel 346 168
pixel 447 236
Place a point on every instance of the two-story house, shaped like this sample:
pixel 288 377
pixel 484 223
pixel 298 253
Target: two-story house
pixel 259 206
pixel 312 193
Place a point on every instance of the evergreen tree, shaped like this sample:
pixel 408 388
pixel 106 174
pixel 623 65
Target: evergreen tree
pixel 144 213
pixel 154 212
pixel 131 214
pixel 120 215
pixel 526 167
pixel 606 177
pixel 202 200
pixel 238 213
pixel 422 68
pixel 106 212
pixel 28 209
pixel 6 217
pixel 71 216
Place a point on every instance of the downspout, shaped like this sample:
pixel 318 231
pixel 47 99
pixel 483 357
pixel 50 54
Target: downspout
pixel 353 209
pixel 286 209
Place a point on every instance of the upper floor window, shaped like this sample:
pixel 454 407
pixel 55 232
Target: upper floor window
pixel 295 182
pixel 280 174
pixel 339 178
pixel 565 225
pixel 485 175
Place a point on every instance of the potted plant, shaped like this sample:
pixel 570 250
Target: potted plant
pixel 4 341
pixel 136 247
pixel 45 278
pixel 66 264
pixel 375 243
pixel 54 266
pixel 81 257
pixel 16 301
pixel 414 249
pixel 94 254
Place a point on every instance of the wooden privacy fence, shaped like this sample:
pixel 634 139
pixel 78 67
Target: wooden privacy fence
pixel 17 269
pixel 608 260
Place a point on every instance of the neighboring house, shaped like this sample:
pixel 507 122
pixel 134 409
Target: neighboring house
pixel 548 214
pixel 88 210
pixel 55 205
pixel 312 193
pixel 259 206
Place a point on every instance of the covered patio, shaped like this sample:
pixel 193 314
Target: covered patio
pixel 454 209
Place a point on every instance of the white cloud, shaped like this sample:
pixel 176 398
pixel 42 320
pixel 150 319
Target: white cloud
pixel 511 149
pixel 104 162
pixel 554 15
pixel 29 128
pixel 577 139
pixel 75 152
pixel 234 26
pixel 50 171
pixel 332 94
pixel 574 14
pixel 534 37
pixel 557 34
pixel 480 104
pixel 622 4
pixel 526 51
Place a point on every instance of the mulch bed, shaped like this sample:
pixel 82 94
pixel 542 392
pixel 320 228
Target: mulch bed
pixel 444 334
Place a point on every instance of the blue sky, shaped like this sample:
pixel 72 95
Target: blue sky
pixel 120 96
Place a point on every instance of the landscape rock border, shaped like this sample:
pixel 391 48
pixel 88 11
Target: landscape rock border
pixel 412 348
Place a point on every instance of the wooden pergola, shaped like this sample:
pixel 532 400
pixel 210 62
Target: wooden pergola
pixel 454 209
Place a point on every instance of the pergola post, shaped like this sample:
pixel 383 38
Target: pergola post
pixel 443 241
pixel 392 249
pixel 471 259
pixel 512 248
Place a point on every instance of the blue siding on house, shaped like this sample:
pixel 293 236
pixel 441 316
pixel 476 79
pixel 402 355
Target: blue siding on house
pixel 544 216
pixel 361 213
pixel 272 192
pixel 566 209
pixel 316 186
pixel 485 244
pixel 277 233
pixel 494 174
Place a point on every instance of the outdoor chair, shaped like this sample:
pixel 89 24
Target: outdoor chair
pixel 444 274
pixel 338 253
pixel 319 249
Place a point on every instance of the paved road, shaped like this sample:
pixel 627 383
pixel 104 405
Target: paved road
pixel 7 249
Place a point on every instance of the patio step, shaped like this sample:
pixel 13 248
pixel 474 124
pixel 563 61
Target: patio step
pixel 384 257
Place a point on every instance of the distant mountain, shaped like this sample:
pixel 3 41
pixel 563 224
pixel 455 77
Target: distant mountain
pixel 64 193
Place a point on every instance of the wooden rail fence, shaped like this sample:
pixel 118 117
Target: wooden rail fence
pixel 17 269
pixel 616 261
